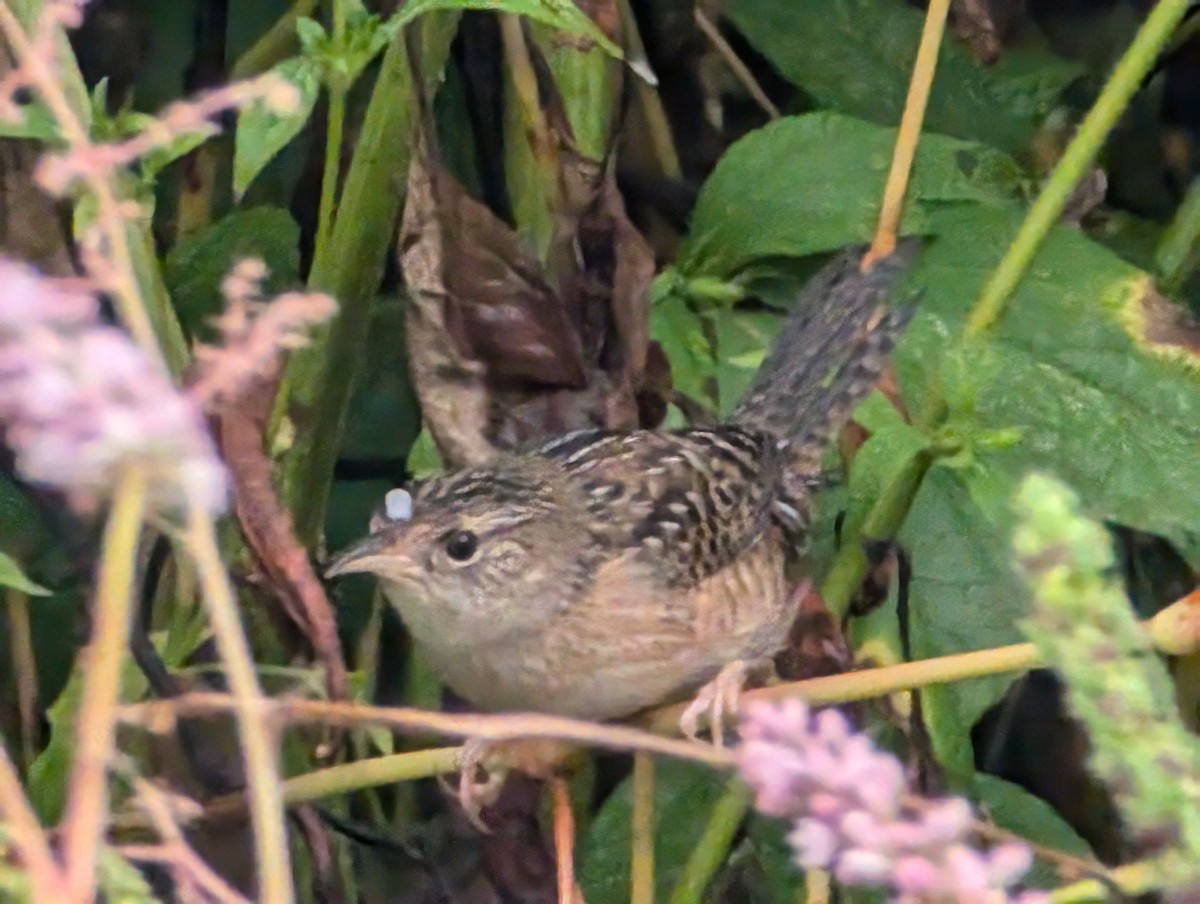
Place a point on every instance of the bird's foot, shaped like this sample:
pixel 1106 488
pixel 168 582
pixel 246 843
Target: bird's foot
pixel 539 758
pixel 716 700
pixel 479 757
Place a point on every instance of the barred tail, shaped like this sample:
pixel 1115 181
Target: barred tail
pixel 829 355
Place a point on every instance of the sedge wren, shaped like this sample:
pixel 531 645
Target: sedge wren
pixel 605 572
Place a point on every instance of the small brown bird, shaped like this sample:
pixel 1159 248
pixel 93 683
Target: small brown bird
pixel 606 572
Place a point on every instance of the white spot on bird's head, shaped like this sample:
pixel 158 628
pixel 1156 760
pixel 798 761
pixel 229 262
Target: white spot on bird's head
pixel 399 505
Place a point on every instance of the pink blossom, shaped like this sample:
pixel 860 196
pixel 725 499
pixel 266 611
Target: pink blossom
pixel 79 401
pixel 253 332
pixel 852 814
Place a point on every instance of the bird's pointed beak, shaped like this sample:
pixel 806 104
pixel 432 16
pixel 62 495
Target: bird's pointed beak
pixel 366 556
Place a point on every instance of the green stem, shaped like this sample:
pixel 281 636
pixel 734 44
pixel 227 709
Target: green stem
pixel 713 847
pixel 102 661
pixel 277 44
pixel 257 739
pixel 334 130
pixel 1121 86
pixel 317 382
pixel 883 522
pixel 1176 254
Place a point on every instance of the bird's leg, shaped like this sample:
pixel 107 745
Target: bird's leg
pixel 473 795
pixel 540 758
pixel 715 700
pixel 721 696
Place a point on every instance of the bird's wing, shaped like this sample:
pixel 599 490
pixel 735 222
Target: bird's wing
pixel 687 502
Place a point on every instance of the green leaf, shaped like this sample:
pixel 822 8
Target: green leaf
pixel 772 876
pixel 424 460
pixel 1015 809
pixel 743 338
pixel 262 133
pixel 856 57
pixel 684 795
pixel 682 334
pixel 35 123
pixel 121 881
pixel 311 33
pixel 561 14
pixel 809 184
pixel 1066 385
pixel 195 268
pixel 964 596
pixel 11 575
pixel 1097 404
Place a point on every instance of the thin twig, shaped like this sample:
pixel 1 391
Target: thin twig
pixel 868 683
pixel 27 836
pixel 102 661
pixel 25 670
pixel 159 714
pixel 250 707
pixel 740 70
pixel 119 278
pixel 905 152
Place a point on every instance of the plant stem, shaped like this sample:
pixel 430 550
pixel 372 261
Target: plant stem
pixel 641 863
pixel 333 139
pixel 102 661
pixel 909 133
pixel 24 670
pixel 868 683
pixel 250 707
pixel 129 262
pixel 883 522
pixel 1120 87
pixel 1175 256
pixel 349 777
pixel 713 846
pixel 316 384
pixel 276 45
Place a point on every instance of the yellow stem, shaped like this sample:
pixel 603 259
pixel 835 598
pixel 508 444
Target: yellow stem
pixel 892 208
pixel 102 659
pixel 641 872
pixel 251 709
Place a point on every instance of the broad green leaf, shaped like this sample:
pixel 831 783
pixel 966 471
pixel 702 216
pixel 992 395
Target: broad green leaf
pixel 262 133
pixel 195 268
pixel 856 57
pixel 1112 414
pixel 11 575
pixel 684 796
pixel 1070 387
pixel 809 184
pixel 963 596
pixel 1015 809
pixel 562 14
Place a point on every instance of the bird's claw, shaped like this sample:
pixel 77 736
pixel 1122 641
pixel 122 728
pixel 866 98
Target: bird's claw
pixel 716 700
pixel 473 795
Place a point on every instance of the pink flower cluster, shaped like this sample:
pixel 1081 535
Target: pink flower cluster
pixel 254 332
pixel 852 814
pixel 78 401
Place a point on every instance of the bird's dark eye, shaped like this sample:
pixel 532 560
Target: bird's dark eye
pixel 462 545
